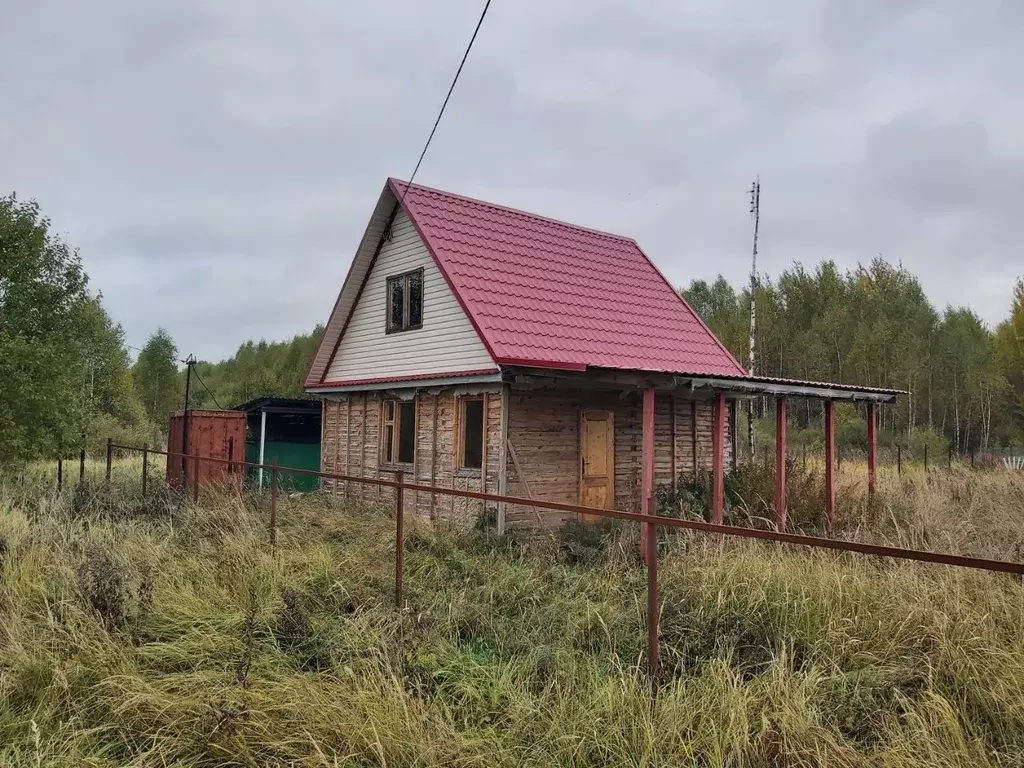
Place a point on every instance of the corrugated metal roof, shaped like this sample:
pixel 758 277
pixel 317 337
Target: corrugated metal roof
pixel 812 383
pixel 548 294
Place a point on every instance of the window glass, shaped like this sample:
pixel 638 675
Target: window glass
pixel 396 303
pixel 405 301
pixel 415 299
pixel 472 434
pixel 407 431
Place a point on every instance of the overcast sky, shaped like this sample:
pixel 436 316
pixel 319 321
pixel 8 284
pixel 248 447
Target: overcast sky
pixel 215 161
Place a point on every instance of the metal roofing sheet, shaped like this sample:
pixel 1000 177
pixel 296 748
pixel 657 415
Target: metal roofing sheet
pixel 548 294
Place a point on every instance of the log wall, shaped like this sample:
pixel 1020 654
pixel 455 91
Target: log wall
pixel 543 459
pixel 543 429
pixel 351 446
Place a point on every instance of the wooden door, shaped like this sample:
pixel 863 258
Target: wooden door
pixel 597 460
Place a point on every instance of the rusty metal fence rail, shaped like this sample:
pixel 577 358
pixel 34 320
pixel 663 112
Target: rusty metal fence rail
pixel 653 522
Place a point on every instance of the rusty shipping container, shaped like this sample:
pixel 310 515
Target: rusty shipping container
pixel 213 434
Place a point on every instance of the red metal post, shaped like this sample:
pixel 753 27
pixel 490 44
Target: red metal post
pixel 872 447
pixel 195 479
pixel 647 470
pixel 830 462
pixel 110 458
pixel 718 461
pixel 653 602
pixel 399 542
pixel 145 466
pixel 273 504
pixel 781 409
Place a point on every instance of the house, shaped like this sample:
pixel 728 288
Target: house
pixel 479 347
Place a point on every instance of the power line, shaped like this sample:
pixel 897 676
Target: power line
pixel 446 98
pixel 196 374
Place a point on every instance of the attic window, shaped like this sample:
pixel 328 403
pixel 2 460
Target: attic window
pixel 405 301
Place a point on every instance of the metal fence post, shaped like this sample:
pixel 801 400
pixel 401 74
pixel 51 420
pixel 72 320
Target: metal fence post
pixel 273 504
pixel 899 459
pixel 926 457
pixel 399 542
pixel 949 464
pixel 81 465
pixel 653 607
pixel 60 474
pixel 110 457
pixel 145 466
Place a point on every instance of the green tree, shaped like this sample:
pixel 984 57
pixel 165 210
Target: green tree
pixel 156 378
pixel 1009 349
pixel 42 294
pixel 259 369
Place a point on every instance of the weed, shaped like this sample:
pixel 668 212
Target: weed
pixel 101 583
pixel 244 664
pixel 585 543
pixel 529 654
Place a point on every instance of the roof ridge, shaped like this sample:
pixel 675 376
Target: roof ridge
pixel 510 209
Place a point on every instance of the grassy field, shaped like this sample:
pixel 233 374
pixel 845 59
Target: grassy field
pixel 151 633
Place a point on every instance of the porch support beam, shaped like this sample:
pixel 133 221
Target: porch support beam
pixel 872 448
pixel 830 463
pixel 647 468
pixel 781 408
pixel 718 460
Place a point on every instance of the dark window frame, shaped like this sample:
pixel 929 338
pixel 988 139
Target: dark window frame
pixel 405 280
pixel 391 432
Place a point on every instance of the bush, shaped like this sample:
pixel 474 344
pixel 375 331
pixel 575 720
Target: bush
pixel 936 445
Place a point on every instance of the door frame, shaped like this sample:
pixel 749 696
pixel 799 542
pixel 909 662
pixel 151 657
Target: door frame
pixel 610 420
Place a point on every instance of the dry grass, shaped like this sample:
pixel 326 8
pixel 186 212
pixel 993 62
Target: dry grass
pixel 146 633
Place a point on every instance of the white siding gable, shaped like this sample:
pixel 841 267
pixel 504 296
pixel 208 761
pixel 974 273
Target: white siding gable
pixel 446 343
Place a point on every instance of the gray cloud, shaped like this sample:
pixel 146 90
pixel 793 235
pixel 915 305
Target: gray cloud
pixel 216 162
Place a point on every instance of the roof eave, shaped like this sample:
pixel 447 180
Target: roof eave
pixel 822 391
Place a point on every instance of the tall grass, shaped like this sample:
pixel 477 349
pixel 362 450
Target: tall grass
pixel 148 632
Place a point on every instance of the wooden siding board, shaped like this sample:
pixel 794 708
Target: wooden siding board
pixel 543 430
pixel 542 427
pixel 446 342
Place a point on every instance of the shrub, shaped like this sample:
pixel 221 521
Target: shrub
pixel 101 582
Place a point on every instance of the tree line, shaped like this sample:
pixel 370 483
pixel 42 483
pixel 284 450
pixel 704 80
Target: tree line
pixel 68 380
pixel 874 326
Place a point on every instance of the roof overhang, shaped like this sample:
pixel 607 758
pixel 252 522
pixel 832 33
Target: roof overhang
pixel 280 405
pixel 754 386
pixel 425 382
pixel 699 386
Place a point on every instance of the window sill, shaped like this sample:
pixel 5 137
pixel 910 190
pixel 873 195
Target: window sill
pixel 463 472
pixel 408 468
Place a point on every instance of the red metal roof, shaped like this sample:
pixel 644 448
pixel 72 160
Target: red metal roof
pixel 547 294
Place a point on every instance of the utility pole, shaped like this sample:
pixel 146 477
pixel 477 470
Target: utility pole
pixel 755 212
pixel 189 362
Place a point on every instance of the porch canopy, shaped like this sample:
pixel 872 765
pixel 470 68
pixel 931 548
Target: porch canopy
pixel 718 389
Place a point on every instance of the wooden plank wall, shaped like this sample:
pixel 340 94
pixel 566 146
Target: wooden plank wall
pixel 351 445
pixel 544 432
pixel 543 428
